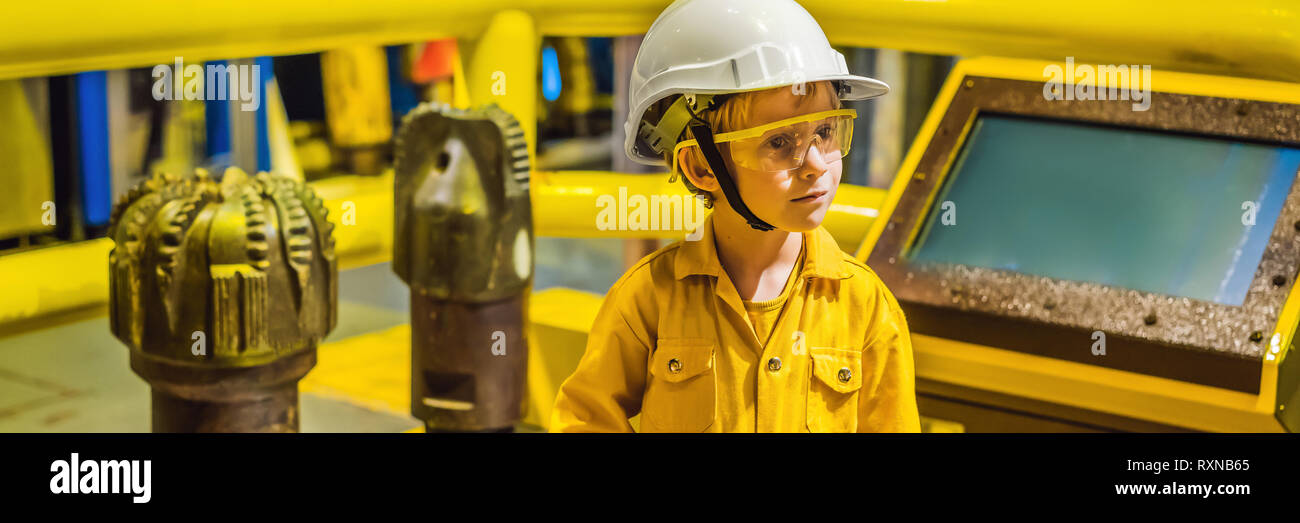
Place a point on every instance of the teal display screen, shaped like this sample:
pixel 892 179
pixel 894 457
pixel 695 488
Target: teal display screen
pixel 1158 212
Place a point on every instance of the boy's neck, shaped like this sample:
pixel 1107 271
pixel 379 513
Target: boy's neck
pixel 758 262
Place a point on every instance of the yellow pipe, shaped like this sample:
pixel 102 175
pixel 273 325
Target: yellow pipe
pixel 67 277
pixel 503 70
pixel 459 89
pixel 25 146
pixel 54 280
pixel 570 204
pixel 361 208
pixel 1255 38
pixel 357 107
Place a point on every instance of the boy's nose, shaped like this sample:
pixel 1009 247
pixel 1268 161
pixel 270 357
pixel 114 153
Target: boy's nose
pixel 814 162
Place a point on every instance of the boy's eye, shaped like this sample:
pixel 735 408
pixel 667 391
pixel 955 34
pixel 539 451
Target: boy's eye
pixel 826 131
pixel 776 143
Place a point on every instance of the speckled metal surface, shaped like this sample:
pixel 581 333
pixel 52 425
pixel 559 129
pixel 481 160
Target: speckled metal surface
pixel 1166 323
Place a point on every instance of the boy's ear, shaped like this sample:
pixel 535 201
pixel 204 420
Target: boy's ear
pixel 696 170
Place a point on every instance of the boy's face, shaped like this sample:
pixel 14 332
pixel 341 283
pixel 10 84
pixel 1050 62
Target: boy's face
pixel 794 200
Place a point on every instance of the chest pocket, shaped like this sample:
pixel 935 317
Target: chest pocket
pixel 833 391
pixel 681 392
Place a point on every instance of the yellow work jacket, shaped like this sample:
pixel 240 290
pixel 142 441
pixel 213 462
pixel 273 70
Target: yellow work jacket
pixel 672 342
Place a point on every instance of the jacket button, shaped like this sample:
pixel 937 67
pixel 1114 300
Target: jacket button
pixel 774 364
pixel 845 375
pixel 674 366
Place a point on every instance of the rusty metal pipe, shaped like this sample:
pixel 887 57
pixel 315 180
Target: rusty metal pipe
pixel 470 360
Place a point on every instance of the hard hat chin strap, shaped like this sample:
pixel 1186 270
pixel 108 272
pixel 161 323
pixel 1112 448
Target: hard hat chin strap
pixel 704 136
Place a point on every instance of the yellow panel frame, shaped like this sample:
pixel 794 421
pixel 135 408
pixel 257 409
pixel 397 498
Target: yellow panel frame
pixel 1088 386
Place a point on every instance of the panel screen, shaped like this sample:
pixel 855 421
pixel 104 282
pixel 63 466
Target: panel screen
pixel 1166 213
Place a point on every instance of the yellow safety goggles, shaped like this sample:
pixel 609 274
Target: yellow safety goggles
pixel 784 144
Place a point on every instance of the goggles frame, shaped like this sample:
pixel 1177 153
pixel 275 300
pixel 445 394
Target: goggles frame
pixel 754 132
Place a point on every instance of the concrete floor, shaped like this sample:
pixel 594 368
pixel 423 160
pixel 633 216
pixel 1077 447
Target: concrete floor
pixel 76 377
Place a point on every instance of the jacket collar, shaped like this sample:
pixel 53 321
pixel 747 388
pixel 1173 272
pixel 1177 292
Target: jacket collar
pixel 822 258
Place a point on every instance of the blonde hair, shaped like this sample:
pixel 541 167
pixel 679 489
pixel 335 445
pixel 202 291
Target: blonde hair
pixel 733 114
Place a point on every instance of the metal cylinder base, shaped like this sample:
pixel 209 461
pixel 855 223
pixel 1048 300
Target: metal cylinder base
pixel 276 411
pixel 469 363
pixel 430 429
pixel 195 398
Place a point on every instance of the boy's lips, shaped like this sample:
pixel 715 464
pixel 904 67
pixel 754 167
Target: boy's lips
pixel 811 197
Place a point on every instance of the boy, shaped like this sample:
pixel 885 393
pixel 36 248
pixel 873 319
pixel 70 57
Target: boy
pixel 762 324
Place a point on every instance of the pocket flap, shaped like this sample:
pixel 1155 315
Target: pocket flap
pixel 839 369
pixel 679 359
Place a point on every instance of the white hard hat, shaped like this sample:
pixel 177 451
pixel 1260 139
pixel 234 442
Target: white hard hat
pixel 706 47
